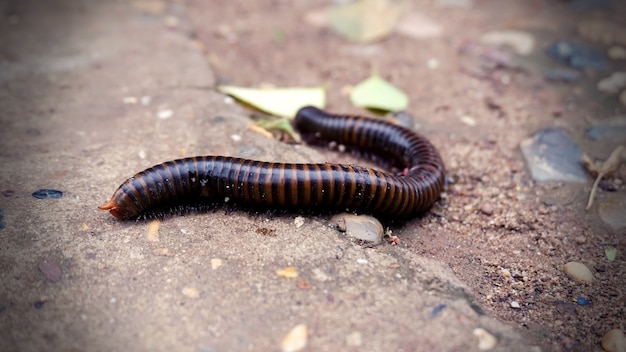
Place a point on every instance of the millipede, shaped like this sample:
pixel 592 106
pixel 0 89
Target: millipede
pixel 412 189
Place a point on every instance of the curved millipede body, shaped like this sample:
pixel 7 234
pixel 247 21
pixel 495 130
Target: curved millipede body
pixel 218 179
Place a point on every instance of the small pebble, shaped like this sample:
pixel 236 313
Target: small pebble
pixel 614 341
pixel 165 114
pixel 216 263
pixel 582 301
pixel 298 221
pixel 438 309
pixel 613 83
pixel 486 341
pixel 191 292
pixel 295 340
pixel 580 239
pixel 51 269
pixel 515 305
pixel 578 271
pixel 362 227
pixel 612 210
pixel 486 209
pixel 577 55
pixel 551 155
pixel 47 194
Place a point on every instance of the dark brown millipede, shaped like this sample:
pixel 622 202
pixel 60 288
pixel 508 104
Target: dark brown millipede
pixel 198 180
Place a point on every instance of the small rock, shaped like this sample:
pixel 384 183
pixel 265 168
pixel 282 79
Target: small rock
pixel 438 309
pixel 577 55
pixel 486 209
pixel 165 114
pixel 298 221
pixel 515 305
pixel 47 194
pixel 486 341
pixel 612 210
pixel 552 156
pixel 51 269
pixel 191 292
pixel 614 341
pixel 613 84
pixel 216 263
pixel 295 340
pixel 617 53
pixel 578 271
pixel 582 301
pixel 522 42
pixel 362 227
pixel 580 239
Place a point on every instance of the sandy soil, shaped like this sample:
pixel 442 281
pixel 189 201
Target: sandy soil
pixel 209 282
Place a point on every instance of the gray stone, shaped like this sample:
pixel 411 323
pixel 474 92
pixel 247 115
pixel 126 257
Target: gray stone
pixel 552 156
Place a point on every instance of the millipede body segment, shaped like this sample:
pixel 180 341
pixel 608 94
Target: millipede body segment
pixel 220 179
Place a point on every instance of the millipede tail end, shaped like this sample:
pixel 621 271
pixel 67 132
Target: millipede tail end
pixel 114 208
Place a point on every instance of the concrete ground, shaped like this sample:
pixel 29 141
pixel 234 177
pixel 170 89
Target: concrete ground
pixel 83 90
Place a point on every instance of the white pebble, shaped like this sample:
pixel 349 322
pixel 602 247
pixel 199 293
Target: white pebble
pixel 613 84
pixel 235 137
pixel 515 305
pixel 578 271
pixel 145 100
pixel 614 341
pixel 362 227
pixel 298 221
pixel 295 340
pixel 165 114
pixel 486 341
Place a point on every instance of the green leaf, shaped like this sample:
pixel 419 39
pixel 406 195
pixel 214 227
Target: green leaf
pixel 364 20
pixel 376 93
pixel 610 253
pixel 281 125
pixel 283 102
